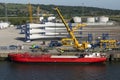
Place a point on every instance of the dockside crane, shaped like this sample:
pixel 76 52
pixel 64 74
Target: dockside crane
pixel 69 41
pixel 78 46
pixel 30 12
pixel 38 14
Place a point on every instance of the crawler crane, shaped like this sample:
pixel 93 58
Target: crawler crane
pixel 69 41
pixel 78 46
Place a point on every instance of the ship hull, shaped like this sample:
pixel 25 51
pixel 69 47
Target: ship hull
pixel 50 59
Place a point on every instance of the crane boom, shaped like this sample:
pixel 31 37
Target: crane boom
pixel 30 12
pixel 78 26
pixel 71 33
pixel 38 13
pixel 69 41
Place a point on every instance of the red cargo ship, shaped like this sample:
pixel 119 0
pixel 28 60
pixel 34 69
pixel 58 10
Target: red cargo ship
pixel 48 58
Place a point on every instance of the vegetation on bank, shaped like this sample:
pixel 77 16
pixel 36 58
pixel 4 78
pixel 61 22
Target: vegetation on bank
pixel 19 14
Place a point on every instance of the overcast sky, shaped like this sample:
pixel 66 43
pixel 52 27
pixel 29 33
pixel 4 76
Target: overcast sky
pixel 109 4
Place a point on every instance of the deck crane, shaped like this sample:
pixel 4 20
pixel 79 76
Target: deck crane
pixel 78 46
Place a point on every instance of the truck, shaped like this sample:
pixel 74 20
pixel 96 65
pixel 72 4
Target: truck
pixel 54 43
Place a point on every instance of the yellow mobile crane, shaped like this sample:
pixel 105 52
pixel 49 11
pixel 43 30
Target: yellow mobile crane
pixel 110 44
pixel 78 46
pixel 69 41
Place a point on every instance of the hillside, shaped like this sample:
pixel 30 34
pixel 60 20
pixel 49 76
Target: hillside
pixel 21 10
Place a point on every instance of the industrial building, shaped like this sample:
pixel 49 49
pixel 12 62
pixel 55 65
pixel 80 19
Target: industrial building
pixel 4 25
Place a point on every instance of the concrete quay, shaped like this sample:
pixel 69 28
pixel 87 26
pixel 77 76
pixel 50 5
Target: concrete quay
pixel 12 36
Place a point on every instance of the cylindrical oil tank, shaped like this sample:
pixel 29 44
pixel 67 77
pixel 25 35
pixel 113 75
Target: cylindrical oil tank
pixel 77 19
pixel 51 18
pixel 103 19
pixel 90 19
pixel 41 18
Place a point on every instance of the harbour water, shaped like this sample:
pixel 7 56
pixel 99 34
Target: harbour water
pixel 36 71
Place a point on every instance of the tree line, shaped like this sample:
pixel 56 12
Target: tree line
pixel 20 11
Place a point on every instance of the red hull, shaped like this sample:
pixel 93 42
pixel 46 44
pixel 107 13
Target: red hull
pixel 48 58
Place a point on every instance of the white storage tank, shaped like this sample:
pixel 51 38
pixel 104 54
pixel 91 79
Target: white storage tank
pixel 51 18
pixel 103 19
pixel 90 19
pixel 41 18
pixel 77 19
